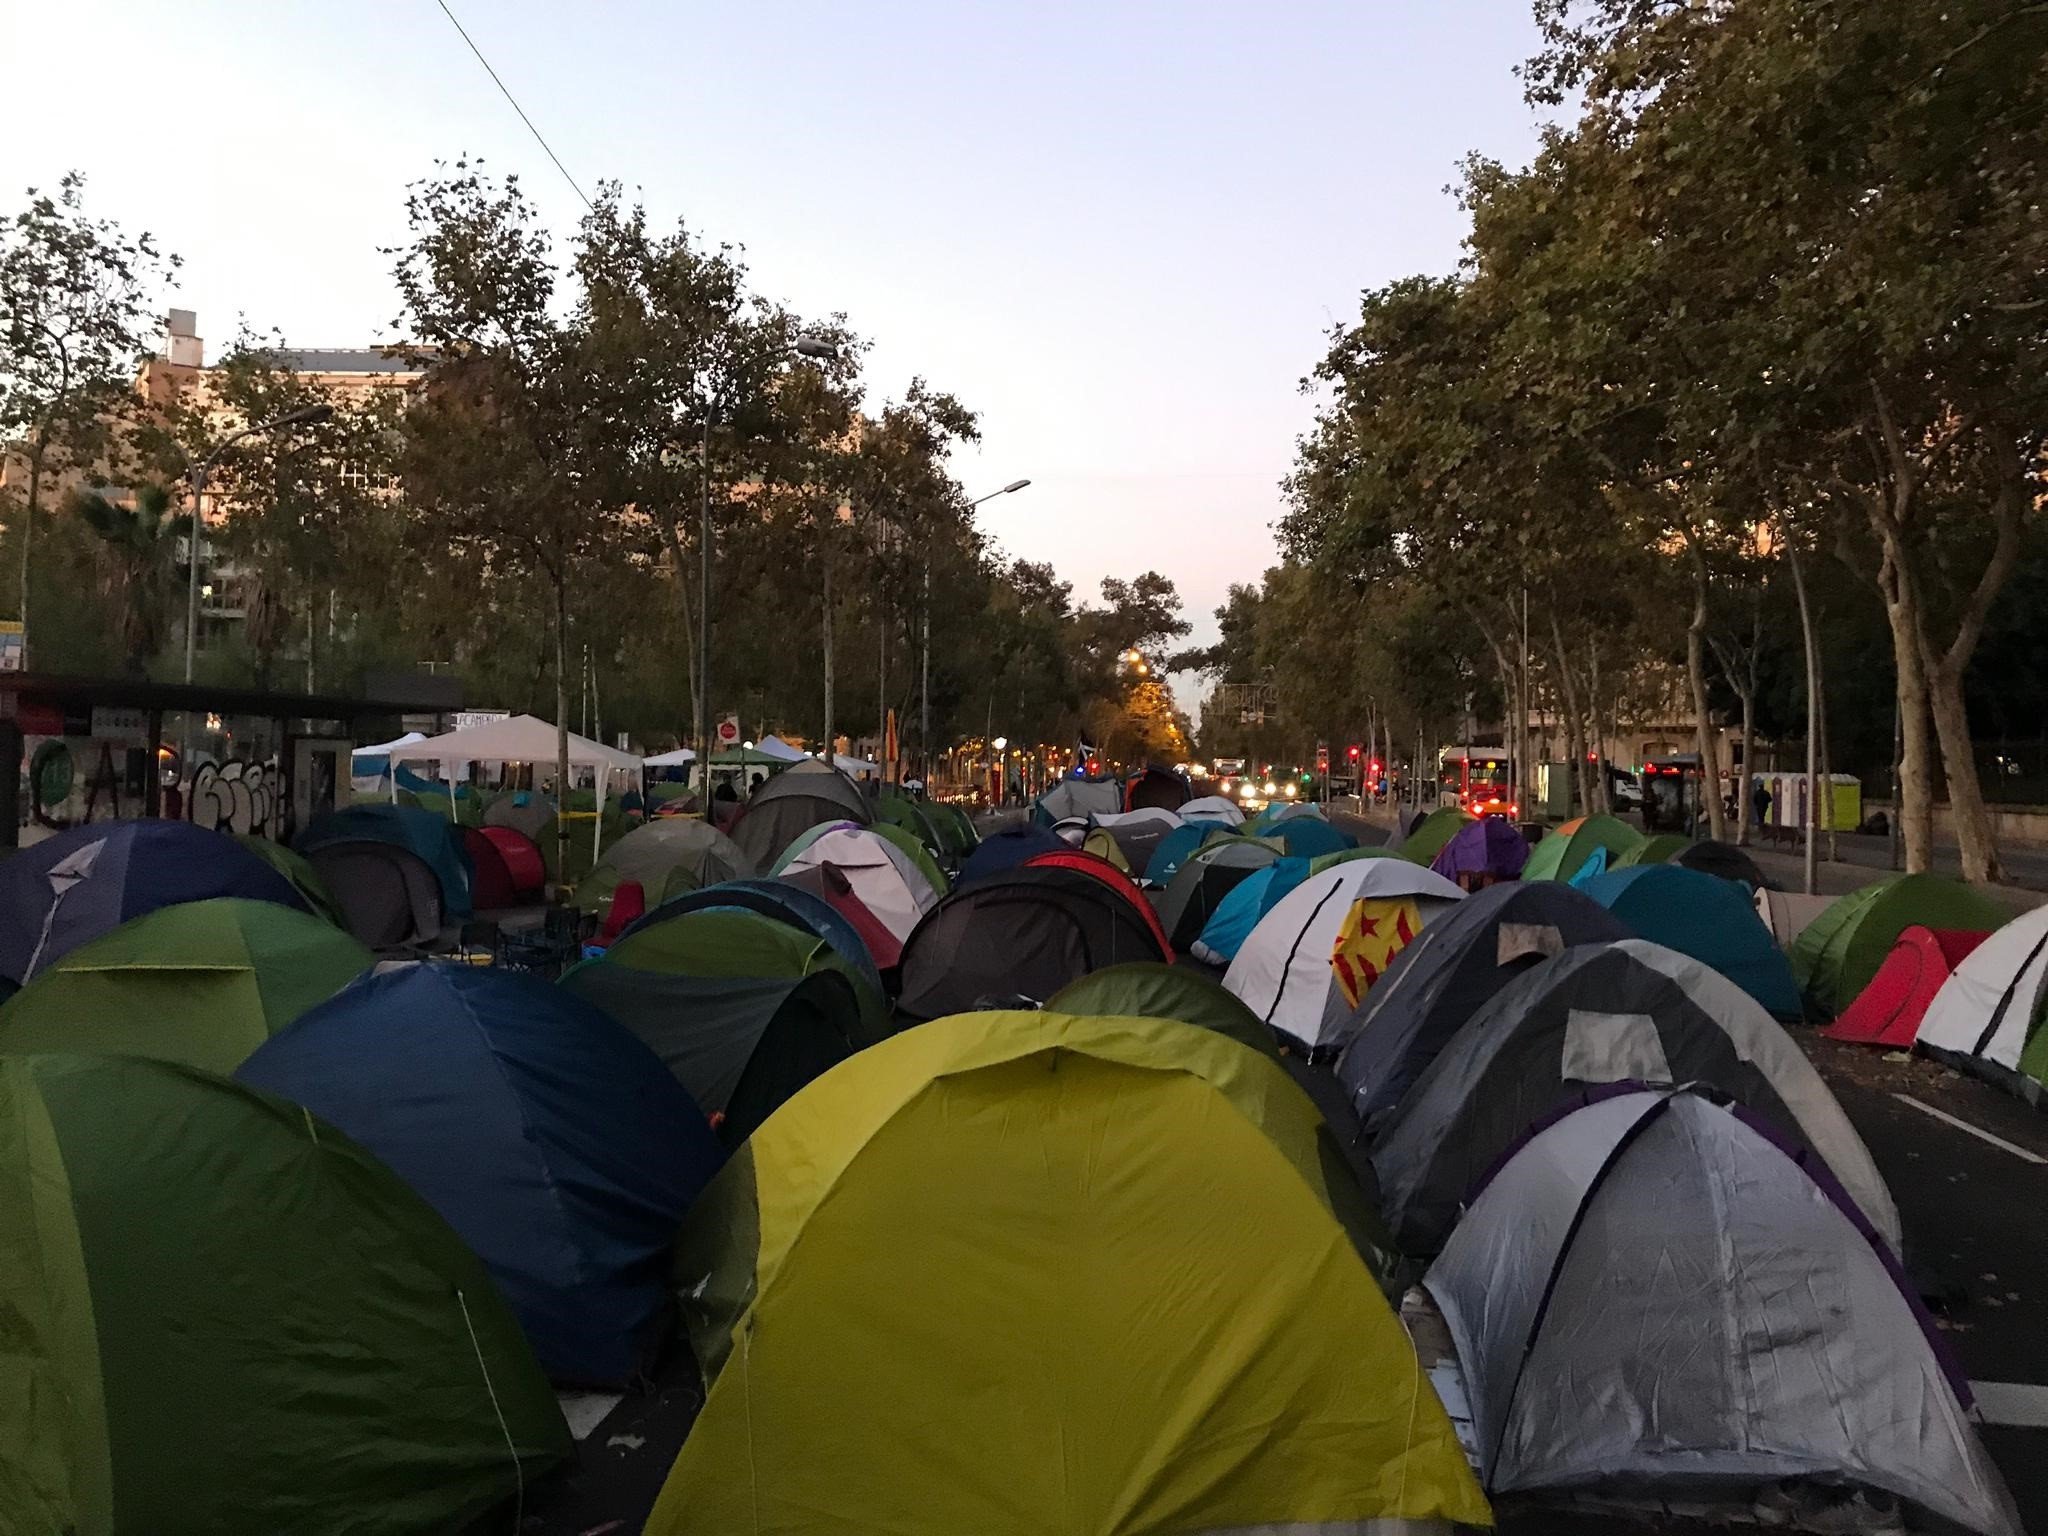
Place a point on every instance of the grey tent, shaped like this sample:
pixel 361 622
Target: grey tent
pixel 741 1045
pixel 1595 1015
pixel 524 811
pixel 1079 797
pixel 1136 834
pixel 1656 1301
pixel 1204 878
pixel 388 896
pixel 669 856
pixel 804 795
pixel 1451 970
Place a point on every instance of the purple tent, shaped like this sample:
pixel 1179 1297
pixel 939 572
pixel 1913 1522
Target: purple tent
pixel 1488 846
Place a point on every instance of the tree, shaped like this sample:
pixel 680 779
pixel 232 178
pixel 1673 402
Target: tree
pixel 137 562
pixel 75 295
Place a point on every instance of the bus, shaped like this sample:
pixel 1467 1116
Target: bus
pixel 1481 779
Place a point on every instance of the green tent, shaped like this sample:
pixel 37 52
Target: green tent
pixel 669 856
pixel 294 867
pixel 1432 832
pixel 1561 855
pixel 897 809
pixel 1836 954
pixel 1661 849
pixel 955 831
pixel 224 1316
pixel 726 941
pixel 1323 861
pixel 202 982
pixel 1146 989
pixel 919 854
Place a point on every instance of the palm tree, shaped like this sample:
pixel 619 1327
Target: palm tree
pixel 137 561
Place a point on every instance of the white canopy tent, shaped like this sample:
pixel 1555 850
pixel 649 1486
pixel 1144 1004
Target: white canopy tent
pixel 365 782
pixel 681 757
pixel 780 750
pixel 518 739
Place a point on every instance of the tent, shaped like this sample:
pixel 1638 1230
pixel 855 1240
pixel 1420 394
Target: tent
pixel 1146 989
pixel 1711 919
pixel 388 896
pixel 757 928
pixel 1989 1014
pixel 1278 811
pixel 1595 1015
pixel 1723 859
pixel 225 1317
pixel 1097 869
pixel 506 868
pixel 1213 808
pixel 1308 837
pixel 304 878
pixel 524 811
pixel 81 883
pixel 1172 850
pixel 1007 849
pixel 1156 786
pixel 1131 836
pixel 741 1045
pixel 1016 1272
pixel 1482 851
pixel 552 1141
pixel 829 883
pixel 523 739
pixel 1077 797
pixel 885 879
pixel 894 808
pixel 669 857
pixel 202 982
pixel 1658 1302
pixel 1787 914
pixel 1560 855
pixel 807 795
pixel 435 841
pixel 919 854
pixel 1660 848
pixel 957 836
pixel 1019 933
pixel 777 750
pixel 1837 954
pixel 1232 919
pixel 1323 945
pixel 682 757
pixel 1452 971
pixel 1323 861
pixel 1434 831
pixel 1201 883
pixel 1888 1011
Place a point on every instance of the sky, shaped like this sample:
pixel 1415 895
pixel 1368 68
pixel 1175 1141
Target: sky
pixel 1118 229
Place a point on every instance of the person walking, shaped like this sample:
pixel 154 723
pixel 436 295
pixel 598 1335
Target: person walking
pixel 1760 802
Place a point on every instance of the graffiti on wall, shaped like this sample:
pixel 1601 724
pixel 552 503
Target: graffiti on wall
pixel 235 796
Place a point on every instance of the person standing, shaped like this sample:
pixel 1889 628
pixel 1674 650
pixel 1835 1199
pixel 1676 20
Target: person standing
pixel 1760 802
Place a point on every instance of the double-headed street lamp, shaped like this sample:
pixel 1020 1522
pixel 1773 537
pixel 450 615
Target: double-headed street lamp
pixel 306 415
pixel 924 708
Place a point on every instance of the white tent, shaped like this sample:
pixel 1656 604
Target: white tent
pixel 363 783
pixel 676 759
pixel 1988 1008
pixel 517 739
pixel 780 750
pixel 1306 964
pixel 884 877
pixel 1212 808
pixel 385 748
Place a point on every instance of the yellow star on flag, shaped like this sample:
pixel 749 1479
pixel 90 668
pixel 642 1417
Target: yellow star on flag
pixel 1373 932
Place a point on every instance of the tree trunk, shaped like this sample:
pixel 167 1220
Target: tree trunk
pixel 1811 636
pixel 1915 809
pixel 1741 780
pixel 562 739
pixel 1703 720
pixel 882 695
pixel 28 532
pixel 675 534
pixel 1603 788
pixel 825 549
pixel 1574 722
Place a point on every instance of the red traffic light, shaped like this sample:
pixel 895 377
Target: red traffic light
pixel 1352 751
pixel 1374 765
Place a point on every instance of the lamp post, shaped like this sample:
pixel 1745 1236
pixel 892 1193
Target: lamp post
pixel 305 416
pixel 820 350
pixel 924 706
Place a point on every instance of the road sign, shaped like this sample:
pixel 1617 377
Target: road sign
pixel 728 730
pixel 1322 757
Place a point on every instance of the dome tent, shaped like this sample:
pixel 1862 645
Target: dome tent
pixel 1437 983
pixel 434 840
pixel 304 878
pixel 203 983
pixel 1565 851
pixel 1656 1300
pixel 886 880
pixel 1146 989
pixel 1427 840
pixel 1701 915
pixel 1989 1014
pixel 868 1291
pixel 1172 850
pixel 1204 880
pixel 1837 954
pixel 81 883
pixel 1595 1015
pixel 1889 1011
pixel 1108 874
pixel 547 1135
pixel 1128 839
pixel 191 1347
pixel 669 856
pixel 801 796
pixel 917 852
pixel 1214 809
pixel 1233 918
pixel 1009 848
pixel 506 867
pixel 1320 948
pixel 1487 848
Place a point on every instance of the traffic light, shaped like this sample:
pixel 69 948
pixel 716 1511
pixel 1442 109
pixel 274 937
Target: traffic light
pixel 1373 766
pixel 1352 752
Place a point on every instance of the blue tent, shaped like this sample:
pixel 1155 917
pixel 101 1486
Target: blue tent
pixel 1701 915
pixel 782 901
pixel 436 841
pixel 1009 848
pixel 1238 913
pixel 552 1140
pixel 1172 850
pixel 91 879
pixel 1309 837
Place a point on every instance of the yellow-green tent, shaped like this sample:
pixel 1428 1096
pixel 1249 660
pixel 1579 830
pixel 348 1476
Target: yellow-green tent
pixel 1047 1275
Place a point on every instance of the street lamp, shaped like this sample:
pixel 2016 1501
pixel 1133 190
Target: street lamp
pixel 307 415
pixel 924 687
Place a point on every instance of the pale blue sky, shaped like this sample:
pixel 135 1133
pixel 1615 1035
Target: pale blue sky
pixel 1117 229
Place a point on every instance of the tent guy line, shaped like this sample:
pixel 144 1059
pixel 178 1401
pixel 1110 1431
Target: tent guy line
pixel 1963 1125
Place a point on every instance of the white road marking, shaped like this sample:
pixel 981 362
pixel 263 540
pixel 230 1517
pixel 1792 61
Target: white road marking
pixel 2019 1404
pixel 1963 1125
pixel 586 1410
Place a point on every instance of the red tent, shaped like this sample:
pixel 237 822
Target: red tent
pixel 508 867
pixel 1888 1011
pixel 830 882
pixel 1108 874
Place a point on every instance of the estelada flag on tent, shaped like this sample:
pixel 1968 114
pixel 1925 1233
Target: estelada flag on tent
pixel 1374 931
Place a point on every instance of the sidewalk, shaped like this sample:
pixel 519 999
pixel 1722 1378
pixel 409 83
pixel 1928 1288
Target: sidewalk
pixel 1788 871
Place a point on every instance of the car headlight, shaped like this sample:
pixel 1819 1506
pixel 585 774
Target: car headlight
pixel 1272 788
pixel 1246 791
pixel 1291 791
